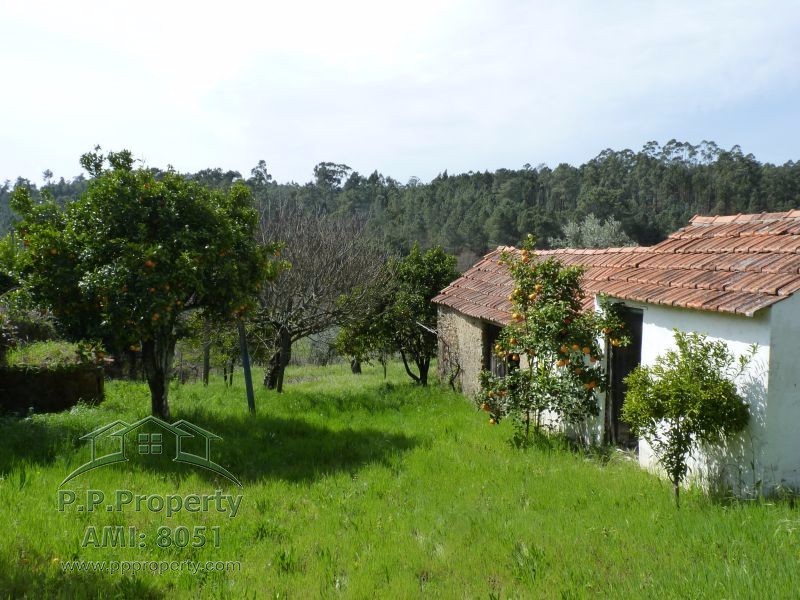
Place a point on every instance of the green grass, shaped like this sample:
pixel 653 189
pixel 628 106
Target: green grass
pixel 51 354
pixel 357 488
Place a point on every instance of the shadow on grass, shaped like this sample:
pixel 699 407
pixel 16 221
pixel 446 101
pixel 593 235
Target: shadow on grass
pixel 252 448
pixel 37 441
pixel 291 449
pixel 24 580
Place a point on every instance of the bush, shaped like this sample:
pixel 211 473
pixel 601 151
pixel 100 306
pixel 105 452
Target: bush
pixel 686 398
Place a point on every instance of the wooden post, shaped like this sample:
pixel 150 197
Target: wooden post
pixel 248 379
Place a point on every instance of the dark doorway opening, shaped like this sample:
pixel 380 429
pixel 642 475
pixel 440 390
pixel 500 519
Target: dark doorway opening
pixel 621 361
pixel 497 365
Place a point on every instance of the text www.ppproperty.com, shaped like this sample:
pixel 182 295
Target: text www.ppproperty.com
pixel 128 567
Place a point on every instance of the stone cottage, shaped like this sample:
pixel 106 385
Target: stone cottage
pixel 732 278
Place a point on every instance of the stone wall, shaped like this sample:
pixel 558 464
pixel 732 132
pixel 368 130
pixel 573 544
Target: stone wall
pixel 48 391
pixel 460 349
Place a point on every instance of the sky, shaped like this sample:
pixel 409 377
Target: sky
pixel 407 88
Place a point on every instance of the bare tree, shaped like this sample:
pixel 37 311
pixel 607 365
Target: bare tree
pixel 330 255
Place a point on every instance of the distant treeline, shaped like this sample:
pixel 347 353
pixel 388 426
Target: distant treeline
pixel 652 192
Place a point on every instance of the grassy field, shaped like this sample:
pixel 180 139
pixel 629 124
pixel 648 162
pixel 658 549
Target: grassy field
pixel 359 488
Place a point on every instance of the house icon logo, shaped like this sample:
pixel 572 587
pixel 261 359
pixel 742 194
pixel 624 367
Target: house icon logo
pixel 152 436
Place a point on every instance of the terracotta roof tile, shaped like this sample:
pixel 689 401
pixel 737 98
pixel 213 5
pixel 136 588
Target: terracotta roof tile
pixel 737 264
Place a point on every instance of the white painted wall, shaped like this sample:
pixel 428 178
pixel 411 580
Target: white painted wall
pixel 782 452
pixel 742 463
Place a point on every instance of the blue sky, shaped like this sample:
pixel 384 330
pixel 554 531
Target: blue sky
pixel 409 89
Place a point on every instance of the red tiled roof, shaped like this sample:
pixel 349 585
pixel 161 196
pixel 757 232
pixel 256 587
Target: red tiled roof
pixel 734 264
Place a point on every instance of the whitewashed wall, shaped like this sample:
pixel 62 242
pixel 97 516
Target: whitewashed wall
pixel 782 449
pixel 743 463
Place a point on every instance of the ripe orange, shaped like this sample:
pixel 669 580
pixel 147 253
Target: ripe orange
pixel 492 422
pixel 485 407
pixel 149 264
pixel 586 350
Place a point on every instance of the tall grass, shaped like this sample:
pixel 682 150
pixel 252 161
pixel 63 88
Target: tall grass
pixel 355 487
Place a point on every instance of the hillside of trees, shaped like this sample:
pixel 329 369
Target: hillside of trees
pixel 651 193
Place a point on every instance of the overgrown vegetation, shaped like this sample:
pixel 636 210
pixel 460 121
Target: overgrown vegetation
pixel 686 399
pixel 54 355
pixel 356 487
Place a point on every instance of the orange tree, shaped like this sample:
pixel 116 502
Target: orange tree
pixel 551 346
pixel 136 251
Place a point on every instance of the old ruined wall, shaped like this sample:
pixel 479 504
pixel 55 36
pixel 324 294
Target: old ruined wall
pixel 460 349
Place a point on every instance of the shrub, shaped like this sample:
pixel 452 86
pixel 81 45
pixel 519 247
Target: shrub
pixel 686 398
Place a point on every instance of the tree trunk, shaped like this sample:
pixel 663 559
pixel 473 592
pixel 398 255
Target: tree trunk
pixel 206 361
pixel 408 369
pixel 271 373
pixel 284 358
pixel 157 358
pixel 273 376
pixel 676 485
pixel 423 366
pixel 355 367
pixel 132 374
pixel 248 379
